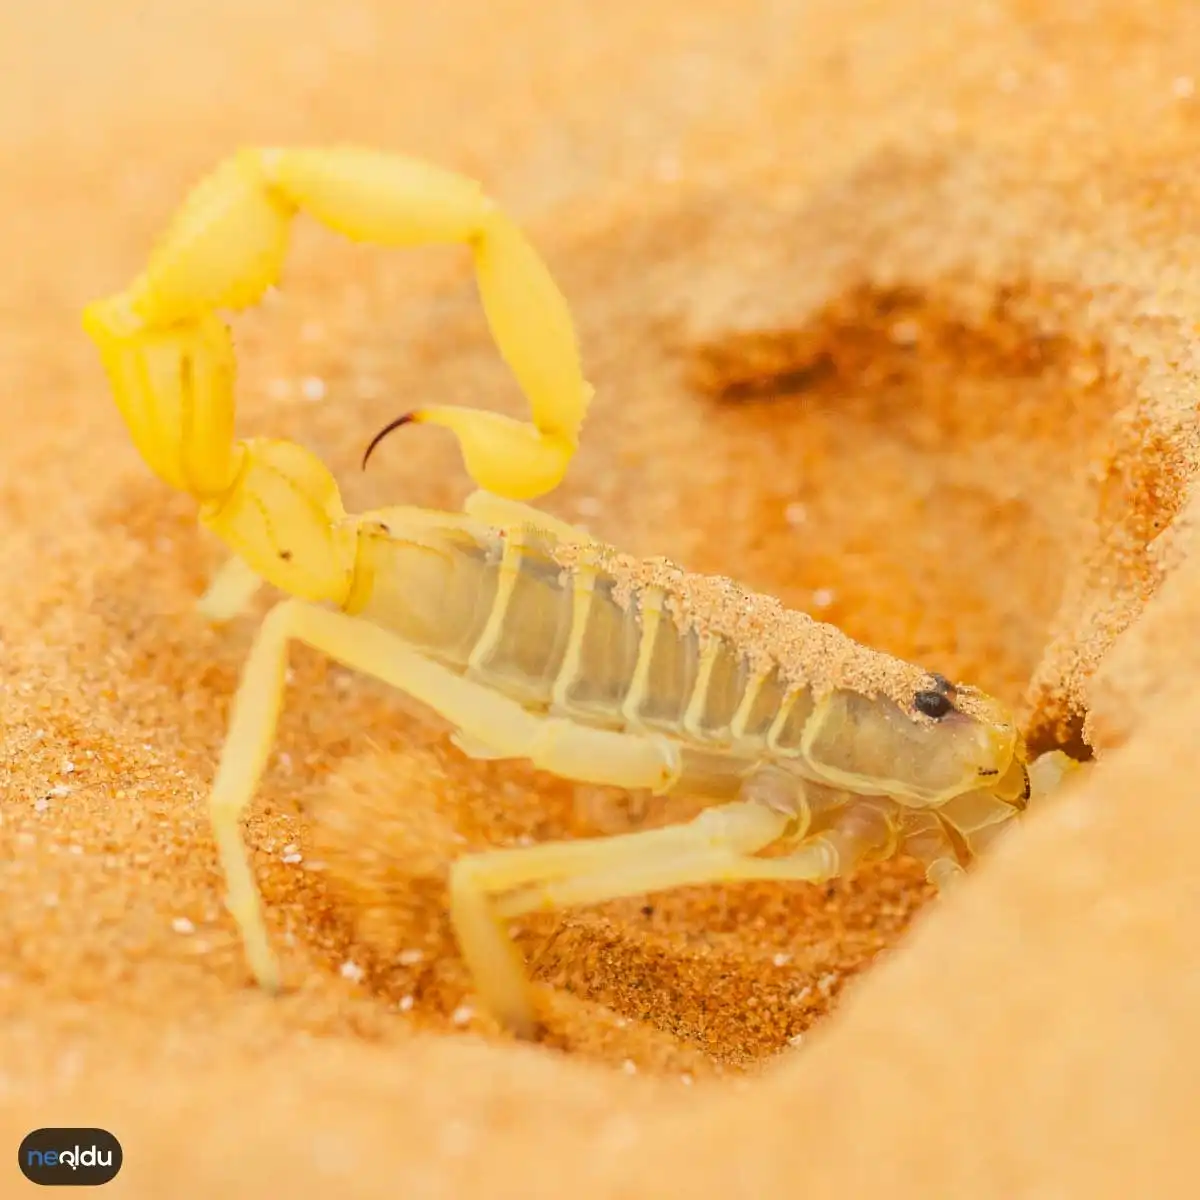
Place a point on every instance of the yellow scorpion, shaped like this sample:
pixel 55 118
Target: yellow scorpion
pixel 534 640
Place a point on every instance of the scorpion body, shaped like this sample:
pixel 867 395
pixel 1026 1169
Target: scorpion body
pixel 537 641
pixel 571 630
pixel 531 638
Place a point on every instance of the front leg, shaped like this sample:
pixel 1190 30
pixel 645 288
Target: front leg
pixel 721 845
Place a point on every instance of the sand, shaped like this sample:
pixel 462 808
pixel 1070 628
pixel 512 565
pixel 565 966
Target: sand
pixel 890 308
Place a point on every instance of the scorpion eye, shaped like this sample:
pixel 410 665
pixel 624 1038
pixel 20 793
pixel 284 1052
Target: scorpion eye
pixel 933 704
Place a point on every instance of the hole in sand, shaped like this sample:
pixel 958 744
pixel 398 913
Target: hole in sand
pixel 939 488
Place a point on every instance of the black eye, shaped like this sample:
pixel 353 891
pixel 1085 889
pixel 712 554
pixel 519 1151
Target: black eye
pixel 932 704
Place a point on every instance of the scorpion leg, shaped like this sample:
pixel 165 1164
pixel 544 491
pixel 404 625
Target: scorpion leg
pixel 1049 771
pixel 978 818
pixel 926 840
pixel 560 874
pixel 597 756
pixel 230 590
pixel 718 846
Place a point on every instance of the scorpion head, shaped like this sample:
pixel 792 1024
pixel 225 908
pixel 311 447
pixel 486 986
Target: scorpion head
pixel 978 734
pixel 945 742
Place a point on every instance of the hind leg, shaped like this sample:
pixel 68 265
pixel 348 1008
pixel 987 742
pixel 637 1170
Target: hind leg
pixel 596 756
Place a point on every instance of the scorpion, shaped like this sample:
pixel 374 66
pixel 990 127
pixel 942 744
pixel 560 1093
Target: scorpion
pixel 812 753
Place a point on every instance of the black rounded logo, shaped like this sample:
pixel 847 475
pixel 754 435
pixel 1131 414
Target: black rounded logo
pixel 70 1157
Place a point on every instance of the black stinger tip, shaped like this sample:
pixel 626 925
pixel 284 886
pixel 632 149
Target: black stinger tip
pixel 408 418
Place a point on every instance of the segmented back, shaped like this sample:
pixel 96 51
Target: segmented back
pixel 575 630
pixel 571 640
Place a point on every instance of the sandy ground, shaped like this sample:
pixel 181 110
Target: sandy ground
pixel 891 310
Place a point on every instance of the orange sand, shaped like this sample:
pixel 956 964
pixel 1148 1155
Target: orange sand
pixel 891 311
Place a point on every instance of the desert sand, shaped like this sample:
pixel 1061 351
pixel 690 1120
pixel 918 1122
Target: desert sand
pixel 891 311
